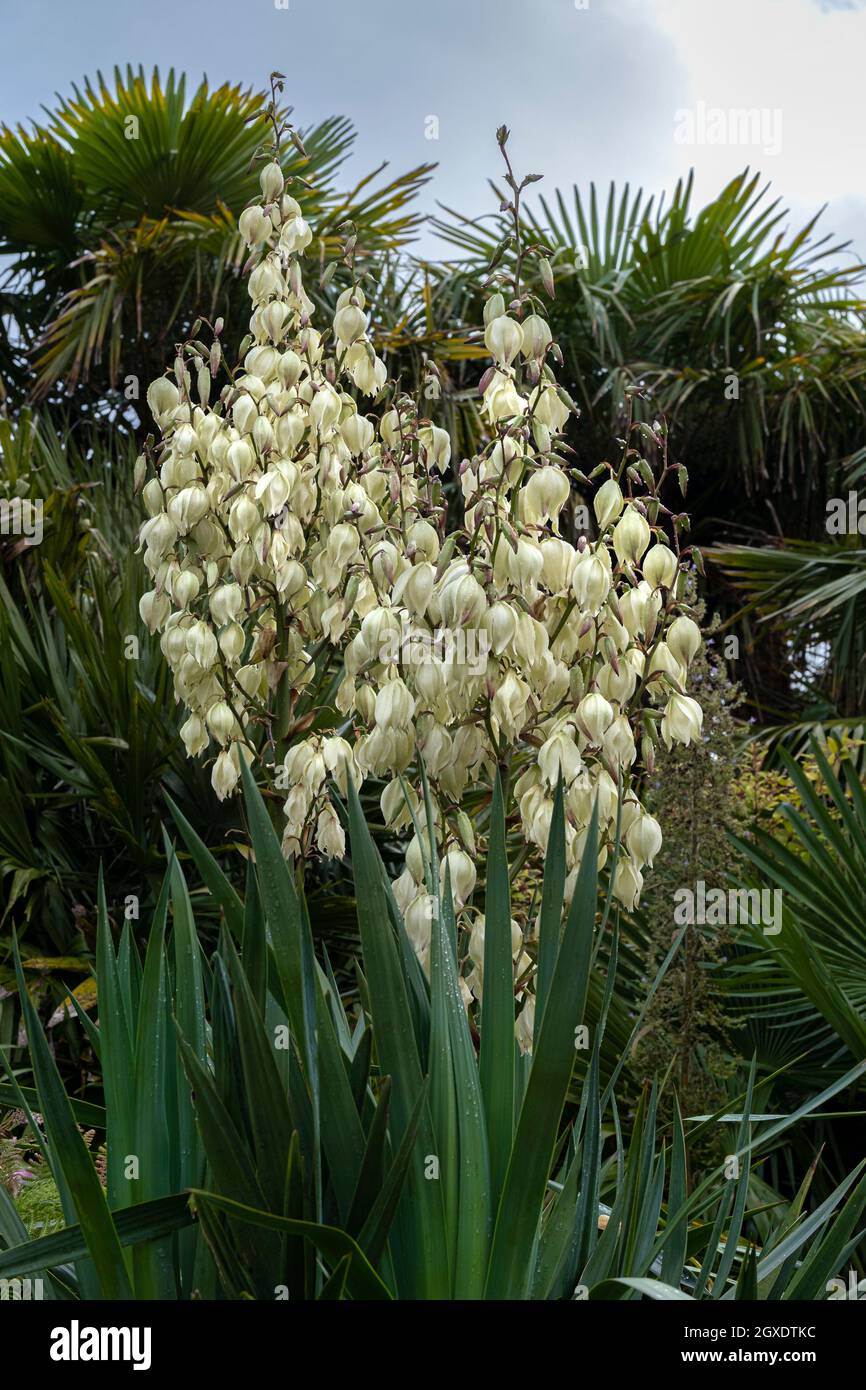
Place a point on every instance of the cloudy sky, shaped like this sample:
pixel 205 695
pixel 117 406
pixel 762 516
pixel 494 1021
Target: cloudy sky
pixel 637 90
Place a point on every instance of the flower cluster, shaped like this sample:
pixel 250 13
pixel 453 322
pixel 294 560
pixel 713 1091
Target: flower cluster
pixel 285 522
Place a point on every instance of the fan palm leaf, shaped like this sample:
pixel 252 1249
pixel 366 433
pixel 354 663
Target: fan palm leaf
pixel 122 206
pixel 684 302
pixel 815 594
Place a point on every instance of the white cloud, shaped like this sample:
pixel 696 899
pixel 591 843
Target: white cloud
pixel 785 55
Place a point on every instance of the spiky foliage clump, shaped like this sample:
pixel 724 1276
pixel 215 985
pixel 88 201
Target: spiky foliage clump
pixel 275 1123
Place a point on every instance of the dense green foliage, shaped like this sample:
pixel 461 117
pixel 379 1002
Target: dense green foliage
pixel 373 1153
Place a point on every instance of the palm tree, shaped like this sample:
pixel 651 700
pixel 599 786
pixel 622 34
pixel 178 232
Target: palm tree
pixel 749 339
pixel 120 210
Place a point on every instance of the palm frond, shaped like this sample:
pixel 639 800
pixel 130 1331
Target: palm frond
pixel 123 206
pixel 746 335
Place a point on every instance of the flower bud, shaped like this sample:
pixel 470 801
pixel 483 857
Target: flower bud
pixel 220 721
pixel 660 567
pixel 545 494
pixel 225 775
pixel 684 640
pixel 194 735
pixel 349 324
pixel 643 840
pixel 154 609
pixel 595 716
pixel 462 873
pixel 608 503
pixel 536 336
pixel 627 883
pixel 631 536
pixel 271 182
pixel 185 588
pixel 682 720
pixel 232 640
pixel 254 226
pixel 394 706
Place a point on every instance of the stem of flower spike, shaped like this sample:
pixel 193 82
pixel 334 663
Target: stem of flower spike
pixel 284 689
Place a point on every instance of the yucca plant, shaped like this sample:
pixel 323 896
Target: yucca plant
pixel 88 721
pixel 265 1142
